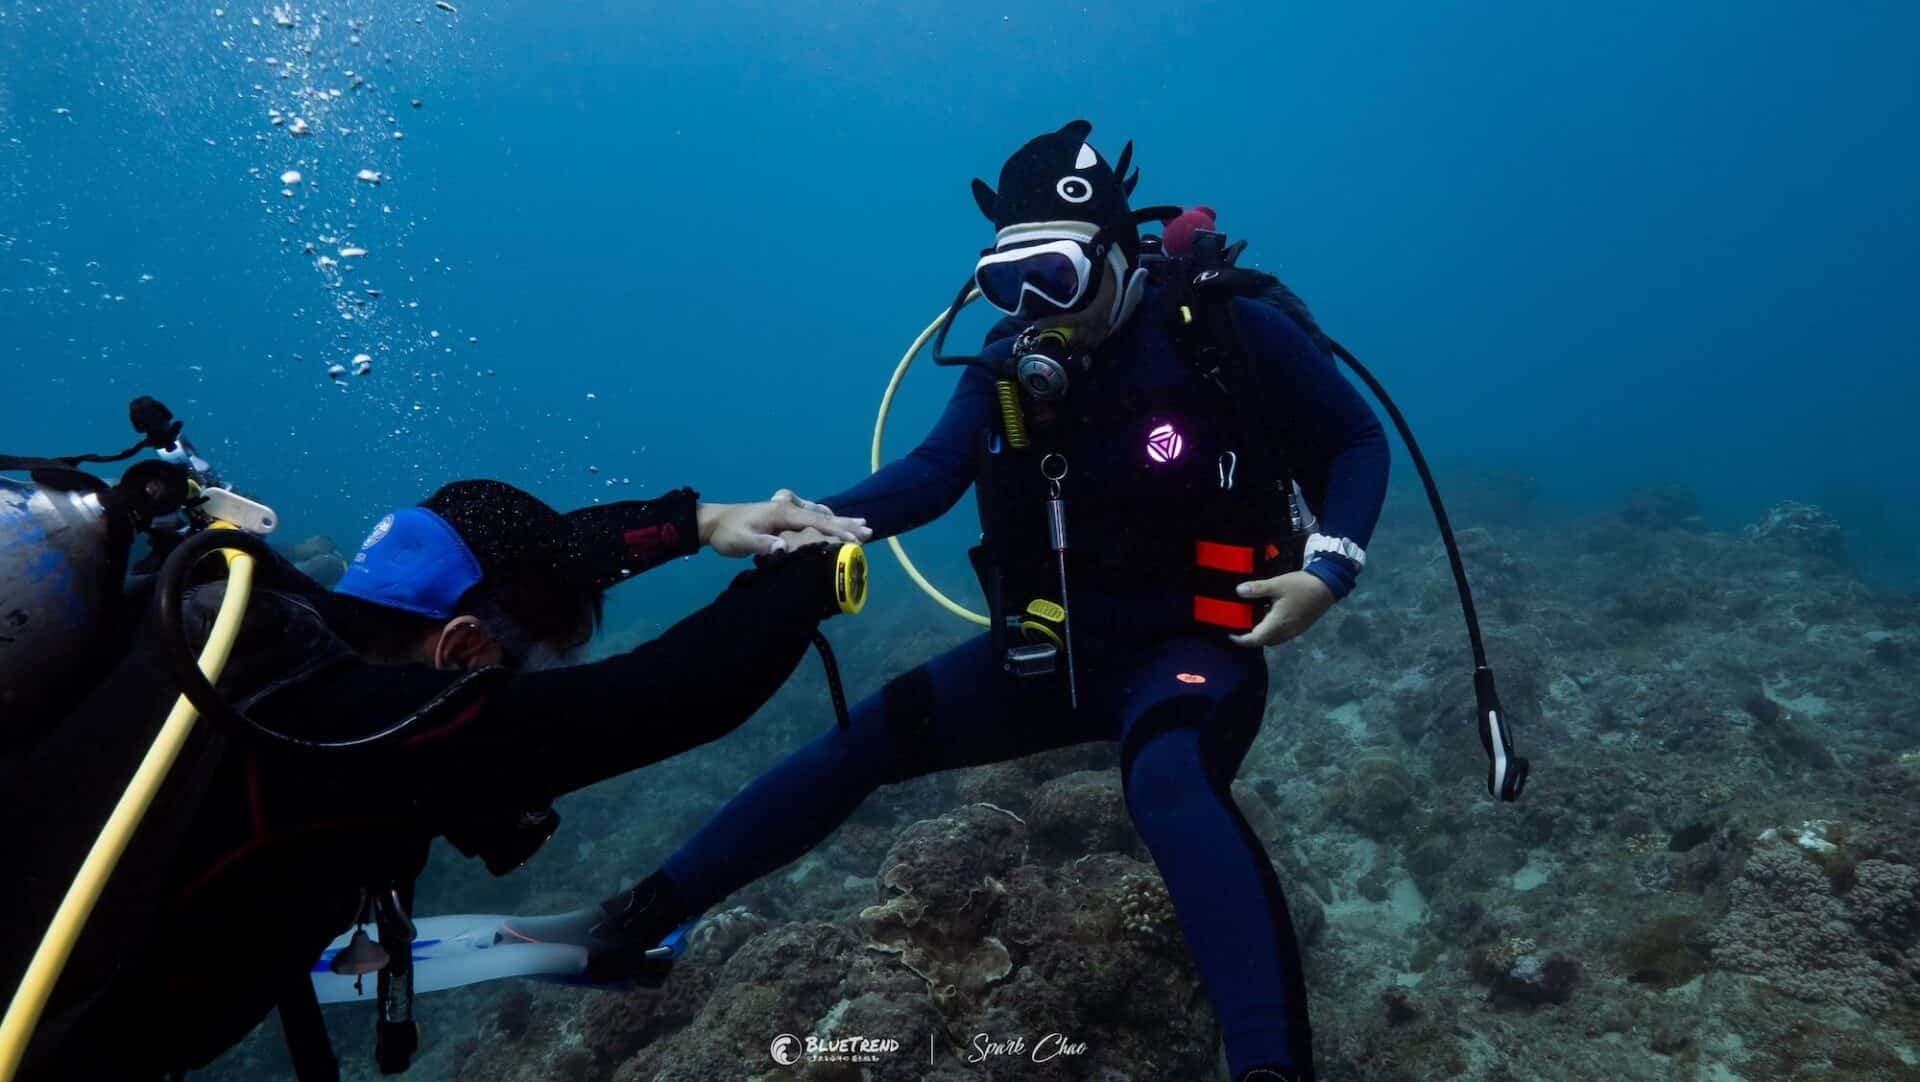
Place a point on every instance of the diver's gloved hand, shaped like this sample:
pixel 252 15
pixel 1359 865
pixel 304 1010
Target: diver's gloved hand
pixel 631 938
pixel 806 579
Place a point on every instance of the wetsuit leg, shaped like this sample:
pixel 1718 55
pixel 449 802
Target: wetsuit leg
pixel 950 712
pixel 1189 713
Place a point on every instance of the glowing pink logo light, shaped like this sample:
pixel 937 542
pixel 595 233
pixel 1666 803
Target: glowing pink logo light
pixel 1164 444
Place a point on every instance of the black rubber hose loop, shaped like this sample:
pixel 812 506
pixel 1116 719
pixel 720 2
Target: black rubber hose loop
pixel 184 662
pixel 181 657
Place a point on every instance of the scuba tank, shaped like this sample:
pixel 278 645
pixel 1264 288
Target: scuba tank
pixel 65 538
pixel 58 571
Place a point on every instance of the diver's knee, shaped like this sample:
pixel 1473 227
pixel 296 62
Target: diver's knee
pixel 900 737
pixel 1163 771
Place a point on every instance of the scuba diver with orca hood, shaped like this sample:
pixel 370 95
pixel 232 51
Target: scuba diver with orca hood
pixel 1171 473
pixel 436 692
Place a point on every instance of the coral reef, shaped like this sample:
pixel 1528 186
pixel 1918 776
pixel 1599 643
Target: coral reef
pixel 1668 507
pixel 1801 529
pixel 941 885
pixel 969 945
pixel 1786 923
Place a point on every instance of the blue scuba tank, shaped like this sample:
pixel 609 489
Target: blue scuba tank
pixel 59 574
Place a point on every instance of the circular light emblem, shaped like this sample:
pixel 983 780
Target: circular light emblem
pixel 1074 189
pixel 1164 444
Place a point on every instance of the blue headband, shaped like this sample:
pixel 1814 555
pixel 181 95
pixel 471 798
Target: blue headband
pixel 413 561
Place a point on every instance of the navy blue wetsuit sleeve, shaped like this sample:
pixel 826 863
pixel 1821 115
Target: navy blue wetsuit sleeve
pixel 916 489
pixel 1328 431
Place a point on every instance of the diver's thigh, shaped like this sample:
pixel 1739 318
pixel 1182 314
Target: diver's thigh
pixel 961 709
pixel 1215 686
pixel 1191 667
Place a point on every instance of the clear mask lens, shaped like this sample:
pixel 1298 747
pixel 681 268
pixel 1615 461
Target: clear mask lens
pixel 1050 277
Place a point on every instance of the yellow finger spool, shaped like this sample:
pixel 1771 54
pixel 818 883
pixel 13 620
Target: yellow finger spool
pixel 850 578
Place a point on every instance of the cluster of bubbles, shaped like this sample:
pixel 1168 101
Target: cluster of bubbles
pixel 301 107
pixel 331 117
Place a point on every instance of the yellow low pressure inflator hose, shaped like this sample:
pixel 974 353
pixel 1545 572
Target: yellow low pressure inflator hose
pixel 879 430
pixel 23 1014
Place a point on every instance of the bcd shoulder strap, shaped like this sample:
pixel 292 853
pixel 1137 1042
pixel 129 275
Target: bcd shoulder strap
pixel 1206 330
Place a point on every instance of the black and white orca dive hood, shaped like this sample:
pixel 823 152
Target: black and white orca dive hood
pixel 1058 187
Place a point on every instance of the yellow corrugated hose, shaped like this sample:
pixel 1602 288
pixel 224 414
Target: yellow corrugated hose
pixel 879 430
pixel 23 1014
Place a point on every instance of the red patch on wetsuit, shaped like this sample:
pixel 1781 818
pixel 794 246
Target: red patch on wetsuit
pixel 652 542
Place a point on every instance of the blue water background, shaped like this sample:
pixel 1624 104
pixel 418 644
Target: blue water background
pixel 1610 246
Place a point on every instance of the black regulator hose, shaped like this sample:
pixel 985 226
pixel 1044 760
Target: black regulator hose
pixel 1506 772
pixel 181 657
pixel 183 660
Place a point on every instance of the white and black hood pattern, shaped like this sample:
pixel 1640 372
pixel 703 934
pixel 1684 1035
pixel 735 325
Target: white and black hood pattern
pixel 1057 187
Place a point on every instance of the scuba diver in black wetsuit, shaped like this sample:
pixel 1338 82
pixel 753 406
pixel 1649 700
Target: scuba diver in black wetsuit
pixel 427 696
pixel 1147 496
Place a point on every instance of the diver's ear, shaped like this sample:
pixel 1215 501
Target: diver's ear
pixel 464 644
pixel 984 196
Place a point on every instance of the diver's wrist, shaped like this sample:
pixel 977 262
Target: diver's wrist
pixel 1338 575
pixel 706 517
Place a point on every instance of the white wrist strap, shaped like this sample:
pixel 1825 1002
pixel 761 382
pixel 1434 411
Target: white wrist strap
pixel 1338 546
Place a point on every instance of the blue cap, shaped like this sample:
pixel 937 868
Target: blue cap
pixel 413 561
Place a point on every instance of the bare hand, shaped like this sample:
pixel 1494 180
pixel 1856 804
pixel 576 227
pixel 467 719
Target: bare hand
pixel 1299 599
pixel 754 529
